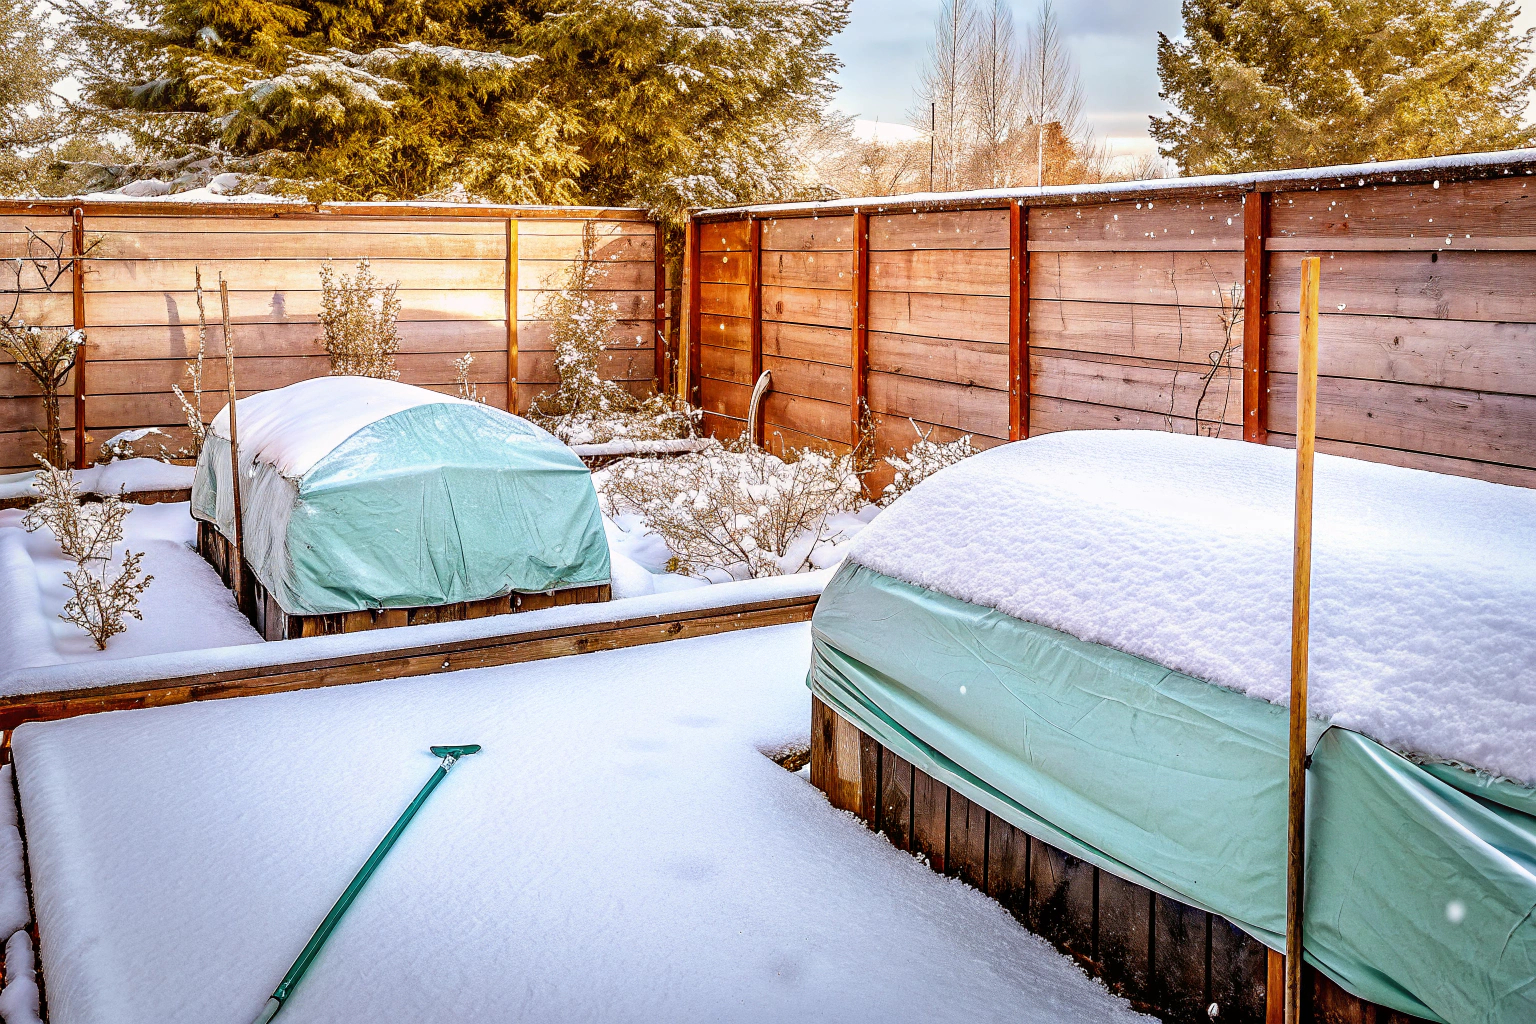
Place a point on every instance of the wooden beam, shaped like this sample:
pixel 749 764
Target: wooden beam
pixel 691 392
pixel 1255 323
pixel 755 311
pixel 424 659
pixel 77 286
pixel 1274 989
pixel 1018 322
pixel 660 340
pixel 512 269
pixel 859 357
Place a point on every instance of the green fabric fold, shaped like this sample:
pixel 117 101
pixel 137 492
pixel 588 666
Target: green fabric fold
pixel 1180 785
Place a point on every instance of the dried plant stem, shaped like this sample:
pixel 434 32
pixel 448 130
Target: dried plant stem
pixel 236 568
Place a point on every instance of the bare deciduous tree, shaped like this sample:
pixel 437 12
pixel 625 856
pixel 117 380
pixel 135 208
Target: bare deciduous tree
pixel 1053 93
pixel 996 93
pixel 943 92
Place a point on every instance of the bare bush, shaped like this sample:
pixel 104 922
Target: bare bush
pixel 925 458
pixel 103 597
pixel 357 316
pixel 736 508
pixel 468 390
pixel 585 408
pixel 193 409
pixel 47 354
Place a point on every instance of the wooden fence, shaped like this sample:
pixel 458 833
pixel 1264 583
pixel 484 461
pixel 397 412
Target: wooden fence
pixel 1156 305
pixel 125 275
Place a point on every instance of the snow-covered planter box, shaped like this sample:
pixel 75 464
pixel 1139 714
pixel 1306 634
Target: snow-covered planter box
pixel 1086 636
pixel 369 503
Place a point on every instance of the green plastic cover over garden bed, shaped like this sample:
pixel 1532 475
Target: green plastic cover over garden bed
pixel 439 502
pixel 1421 880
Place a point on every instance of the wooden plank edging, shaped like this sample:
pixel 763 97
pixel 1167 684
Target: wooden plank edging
pixel 426 659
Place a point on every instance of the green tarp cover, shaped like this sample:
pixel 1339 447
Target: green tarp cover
pixel 1421 881
pixel 437 504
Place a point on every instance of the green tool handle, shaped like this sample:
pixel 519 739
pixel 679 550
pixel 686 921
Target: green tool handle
pixel 312 949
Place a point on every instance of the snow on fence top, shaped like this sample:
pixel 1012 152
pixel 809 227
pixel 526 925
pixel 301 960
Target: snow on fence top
pixel 1178 549
pixel 1512 161
pixel 293 428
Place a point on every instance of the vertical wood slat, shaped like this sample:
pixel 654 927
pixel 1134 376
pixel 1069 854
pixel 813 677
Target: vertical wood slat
pixel 659 342
pixel 1274 990
pixel 1018 322
pixel 512 268
pixel 77 284
pixel 859 362
pixel 691 391
pixel 755 311
pixel 1255 329
pixel 895 799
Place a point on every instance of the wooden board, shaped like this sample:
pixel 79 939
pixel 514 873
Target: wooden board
pixel 723 235
pixel 831 270
pixel 1174 223
pixel 950 317
pixel 967 858
pixel 802 234
pixel 972 409
pixel 1160 278
pixel 818 307
pixel 822 381
pixel 940 271
pixel 1493 472
pixel 1485 210
pixel 959 362
pixel 1491 286
pixel 1178 333
pixel 803 341
pixel 1047 414
pixel 973 229
pixel 1174 390
pixel 825 421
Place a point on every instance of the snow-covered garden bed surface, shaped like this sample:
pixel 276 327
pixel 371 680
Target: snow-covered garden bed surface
pixel 621 850
pixel 123 476
pixel 185 608
pixel 1178 549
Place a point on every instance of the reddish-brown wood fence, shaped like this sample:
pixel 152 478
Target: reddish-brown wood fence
pixel 132 292
pixel 1168 306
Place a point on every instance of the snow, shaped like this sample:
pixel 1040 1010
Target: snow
pixel 14 912
pixel 20 1001
pixel 1343 174
pixel 1178 549
pixel 619 851
pixel 186 608
pixel 123 476
pixel 628 446
pixel 294 427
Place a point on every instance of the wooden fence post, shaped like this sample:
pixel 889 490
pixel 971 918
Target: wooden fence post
pixel 77 285
pixel 512 282
pixel 692 393
pixel 859 357
pixel 755 311
pixel 660 341
pixel 1018 322
pixel 1255 325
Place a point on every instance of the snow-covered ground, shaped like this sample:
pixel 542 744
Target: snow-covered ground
pixel 620 850
pixel 186 608
pixel 124 475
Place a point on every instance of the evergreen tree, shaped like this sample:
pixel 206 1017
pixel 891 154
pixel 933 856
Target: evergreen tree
pixel 668 102
pixel 1262 84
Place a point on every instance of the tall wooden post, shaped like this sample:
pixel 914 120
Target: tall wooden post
pixel 691 392
pixel 236 567
pixel 1301 599
pixel 755 312
pixel 1018 322
pixel 512 282
pixel 1255 326
pixel 77 284
pixel 859 356
pixel 659 342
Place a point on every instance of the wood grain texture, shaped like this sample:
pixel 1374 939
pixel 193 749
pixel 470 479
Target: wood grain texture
pixel 972 409
pixel 719 236
pixel 1500 208
pixel 825 420
pixel 1158 278
pixel 1178 333
pixel 967 858
pixel 959 362
pixel 817 307
pixel 1176 391
pixel 803 341
pixel 831 270
pixel 930 819
pixel 1493 472
pixel 974 229
pixel 895 803
pixel 805 234
pixel 947 317
pixel 940 272
pixel 823 381
pixel 1488 286
pixel 1214 223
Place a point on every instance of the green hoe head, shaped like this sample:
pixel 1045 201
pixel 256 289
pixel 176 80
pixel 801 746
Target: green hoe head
pixel 457 750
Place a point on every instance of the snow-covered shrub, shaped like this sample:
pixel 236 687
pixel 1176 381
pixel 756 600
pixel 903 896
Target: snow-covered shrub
pixel 735 508
pixel 467 389
pixel 47 354
pixel 925 458
pixel 88 533
pixel 585 408
pixel 358 318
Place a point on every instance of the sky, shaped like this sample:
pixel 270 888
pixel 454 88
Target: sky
pixel 1113 41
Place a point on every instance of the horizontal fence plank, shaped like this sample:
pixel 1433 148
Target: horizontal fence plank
pixel 832 270
pixel 627 305
pixel 1497 357
pixel 801 341
pixel 1493 472
pixel 726 268
pixel 972 409
pixel 726 331
pixel 1438 285
pixel 723 236
pixel 136 309
pixel 960 362
pixel 727 364
pixel 779 439
pixel 1170 391
pixel 809 379
pixel 567 226
pixel 1048 415
pixel 804 234
pixel 286 275
pixel 1498 208
pixel 971 229
pixel 826 420
pixel 611 275
pixel 724 398
pixel 535 335
pixel 42 309
pixel 337 245
pixel 940 271
pixel 1166 279
pixel 1179 333
pixel 1437 421
pixel 182 222
pixel 1185 223
pixel 637 364
pixel 725 299
pixel 179 341
pixel 263 373
pixel 119 412
pixel 807 306
pixel 953 317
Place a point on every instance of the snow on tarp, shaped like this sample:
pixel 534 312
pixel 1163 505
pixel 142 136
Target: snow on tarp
pixel 1178 549
pixel 152 668
pixel 619 851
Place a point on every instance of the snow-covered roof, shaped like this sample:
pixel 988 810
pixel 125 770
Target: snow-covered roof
pixel 1513 161
pixel 1178 549
pixel 294 427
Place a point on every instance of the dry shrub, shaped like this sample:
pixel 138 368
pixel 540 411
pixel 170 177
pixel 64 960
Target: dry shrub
pixel 736 508
pixel 925 458
pixel 357 316
pixel 47 354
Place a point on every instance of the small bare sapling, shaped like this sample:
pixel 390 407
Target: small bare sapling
pixel 357 316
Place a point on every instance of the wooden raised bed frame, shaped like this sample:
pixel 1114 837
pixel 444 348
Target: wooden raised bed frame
pixel 275 624
pixel 1166 957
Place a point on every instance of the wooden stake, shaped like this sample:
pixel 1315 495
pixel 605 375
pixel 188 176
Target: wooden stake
pixel 236 573
pixel 1301 599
